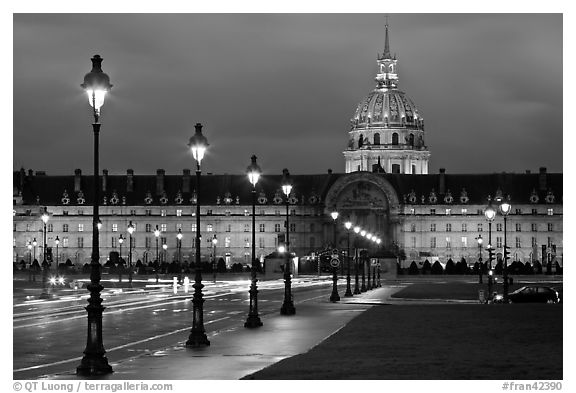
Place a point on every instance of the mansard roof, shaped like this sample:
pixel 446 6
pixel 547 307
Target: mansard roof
pixel 44 189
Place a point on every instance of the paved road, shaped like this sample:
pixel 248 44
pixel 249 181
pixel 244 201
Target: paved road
pixel 49 336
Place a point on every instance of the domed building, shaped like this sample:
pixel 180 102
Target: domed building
pixel 387 130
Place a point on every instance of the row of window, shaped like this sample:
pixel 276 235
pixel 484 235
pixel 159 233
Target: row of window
pixel 149 242
pixel 480 212
pixel 479 227
pixel 178 226
pixel 180 212
pixel 464 242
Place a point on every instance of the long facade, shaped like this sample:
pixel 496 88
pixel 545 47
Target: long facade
pixel 386 189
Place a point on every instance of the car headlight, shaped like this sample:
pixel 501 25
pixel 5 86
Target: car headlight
pixel 498 297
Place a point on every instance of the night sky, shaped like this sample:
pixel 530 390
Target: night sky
pixel 283 87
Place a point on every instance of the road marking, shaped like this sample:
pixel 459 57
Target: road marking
pixel 116 348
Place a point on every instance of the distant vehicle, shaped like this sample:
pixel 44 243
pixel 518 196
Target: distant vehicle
pixel 530 294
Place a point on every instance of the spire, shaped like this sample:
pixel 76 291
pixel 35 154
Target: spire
pixel 386 54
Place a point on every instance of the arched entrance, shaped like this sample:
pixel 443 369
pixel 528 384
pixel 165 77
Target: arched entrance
pixel 368 200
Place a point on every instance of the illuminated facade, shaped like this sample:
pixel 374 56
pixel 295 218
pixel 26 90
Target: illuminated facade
pixel 385 189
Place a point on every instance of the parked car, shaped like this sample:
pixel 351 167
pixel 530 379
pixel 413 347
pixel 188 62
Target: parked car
pixel 530 294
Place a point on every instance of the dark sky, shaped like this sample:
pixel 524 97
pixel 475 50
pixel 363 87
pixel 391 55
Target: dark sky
pixel 283 87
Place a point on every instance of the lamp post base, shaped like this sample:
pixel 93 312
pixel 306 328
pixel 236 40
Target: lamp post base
pixel 334 297
pixel 288 305
pixel 197 336
pixel 94 365
pixel 348 288
pixel 288 308
pixel 253 320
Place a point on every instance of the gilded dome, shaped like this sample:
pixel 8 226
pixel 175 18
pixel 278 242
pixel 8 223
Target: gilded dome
pixel 387 108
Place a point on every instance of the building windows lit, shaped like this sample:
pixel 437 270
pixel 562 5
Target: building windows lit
pixel 80 227
pixel 464 242
pixel 448 212
pixel 246 242
pixel 178 212
pixel 227 242
pixel 64 242
pixel 209 228
pixel 163 212
pixel 114 227
pixel 479 227
pixel 163 227
pixel 448 242
pixel 246 212
pixel 550 212
pixel 246 227
pixel 464 211
pixel 193 228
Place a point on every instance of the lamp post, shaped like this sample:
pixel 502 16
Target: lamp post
pixel 120 265
pixel 197 338
pixel 334 214
pixel 29 246
pixel 96 84
pixel 334 296
pixel 130 231
pixel 363 261
pixel 368 263
pixel 288 305
pixel 374 266
pixel 490 214
pixel 480 241
pixel 44 295
pixel 505 209
pixel 57 242
pixel 214 242
pixel 378 241
pixel 179 239
pixel 157 235
pixel 356 283
pixel 253 321
pixel 34 243
pixel 348 226
pixel 165 252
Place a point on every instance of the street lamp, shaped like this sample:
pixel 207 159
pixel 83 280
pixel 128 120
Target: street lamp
pixel 480 241
pixel 57 242
pixel 254 172
pixel 45 217
pixel 34 243
pixel 165 247
pixel 198 144
pixel 505 209
pixel 288 305
pixel 30 271
pixel 157 264
pixel 179 237
pixel 96 84
pixel 348 226
pixel 356 282
pixel 120 265
pixel 363 287
pixel 130 231
pixel 214 242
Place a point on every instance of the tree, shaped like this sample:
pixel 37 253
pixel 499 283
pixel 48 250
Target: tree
pixel 437 268
pixel 413 269
pixel 450 267
pixel 427 267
